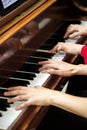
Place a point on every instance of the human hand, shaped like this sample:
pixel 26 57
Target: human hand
pixel 67 47
pixel 58 68
pixel 75 30
pixel 30 95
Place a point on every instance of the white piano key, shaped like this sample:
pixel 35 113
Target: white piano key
pixel 59 56
pixel 72 40
pixel 9 117
pixel 84 23
pixel 39 80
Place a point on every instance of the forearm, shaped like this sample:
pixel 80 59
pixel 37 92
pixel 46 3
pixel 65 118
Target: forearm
pixel 81 69
pixel 76 105
pixel 77 49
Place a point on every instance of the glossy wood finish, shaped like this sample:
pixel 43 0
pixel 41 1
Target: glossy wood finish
pixel 14 25
pixel 6 18
pixel 81 5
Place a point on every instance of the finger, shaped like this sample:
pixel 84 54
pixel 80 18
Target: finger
pixel 17 98
pixel 16 88
pixel 47 66
pixel 67 34
pixel 23 105
pixel 44 67
pixel 52 71
pixel 54 49
pixel 75 34
pixel 70 29
pixel 15 91
pixel 13 88
pixel 57 48
pixel 10 93
pixel 44 62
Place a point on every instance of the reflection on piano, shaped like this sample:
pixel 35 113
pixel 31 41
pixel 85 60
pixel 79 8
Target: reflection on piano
pixel 19 57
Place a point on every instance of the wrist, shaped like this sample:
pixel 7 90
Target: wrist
pixel 74 70
pixel 53 100
pixel 79 49
pixel 81 69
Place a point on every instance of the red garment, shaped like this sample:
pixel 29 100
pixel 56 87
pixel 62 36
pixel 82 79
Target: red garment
pixel 84 53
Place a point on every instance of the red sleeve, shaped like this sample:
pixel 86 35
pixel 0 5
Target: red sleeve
pixel 84 53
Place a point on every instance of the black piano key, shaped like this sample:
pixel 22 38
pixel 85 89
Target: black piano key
pixel 43 54
pixel 2 91
pixel 51 41
pixel 55 36
pixel 0 114
pixel 14 82
pixel 23 75
pixel 30 67
pixel 35 59
pixel 2 108
pixel 47 46
pixel 2 80
pixel 4 104
pixel 54 39
pixel 58 39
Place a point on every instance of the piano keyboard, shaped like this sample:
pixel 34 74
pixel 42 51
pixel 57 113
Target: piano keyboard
pixel 27 75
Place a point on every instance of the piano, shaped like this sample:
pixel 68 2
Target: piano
pixel 24 40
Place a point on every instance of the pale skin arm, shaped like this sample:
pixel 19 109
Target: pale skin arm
pixel 41 96
pixel 75 30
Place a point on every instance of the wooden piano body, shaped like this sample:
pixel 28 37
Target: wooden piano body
pixel 22 37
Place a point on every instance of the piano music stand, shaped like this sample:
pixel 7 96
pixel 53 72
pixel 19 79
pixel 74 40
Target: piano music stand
pixel 7 6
